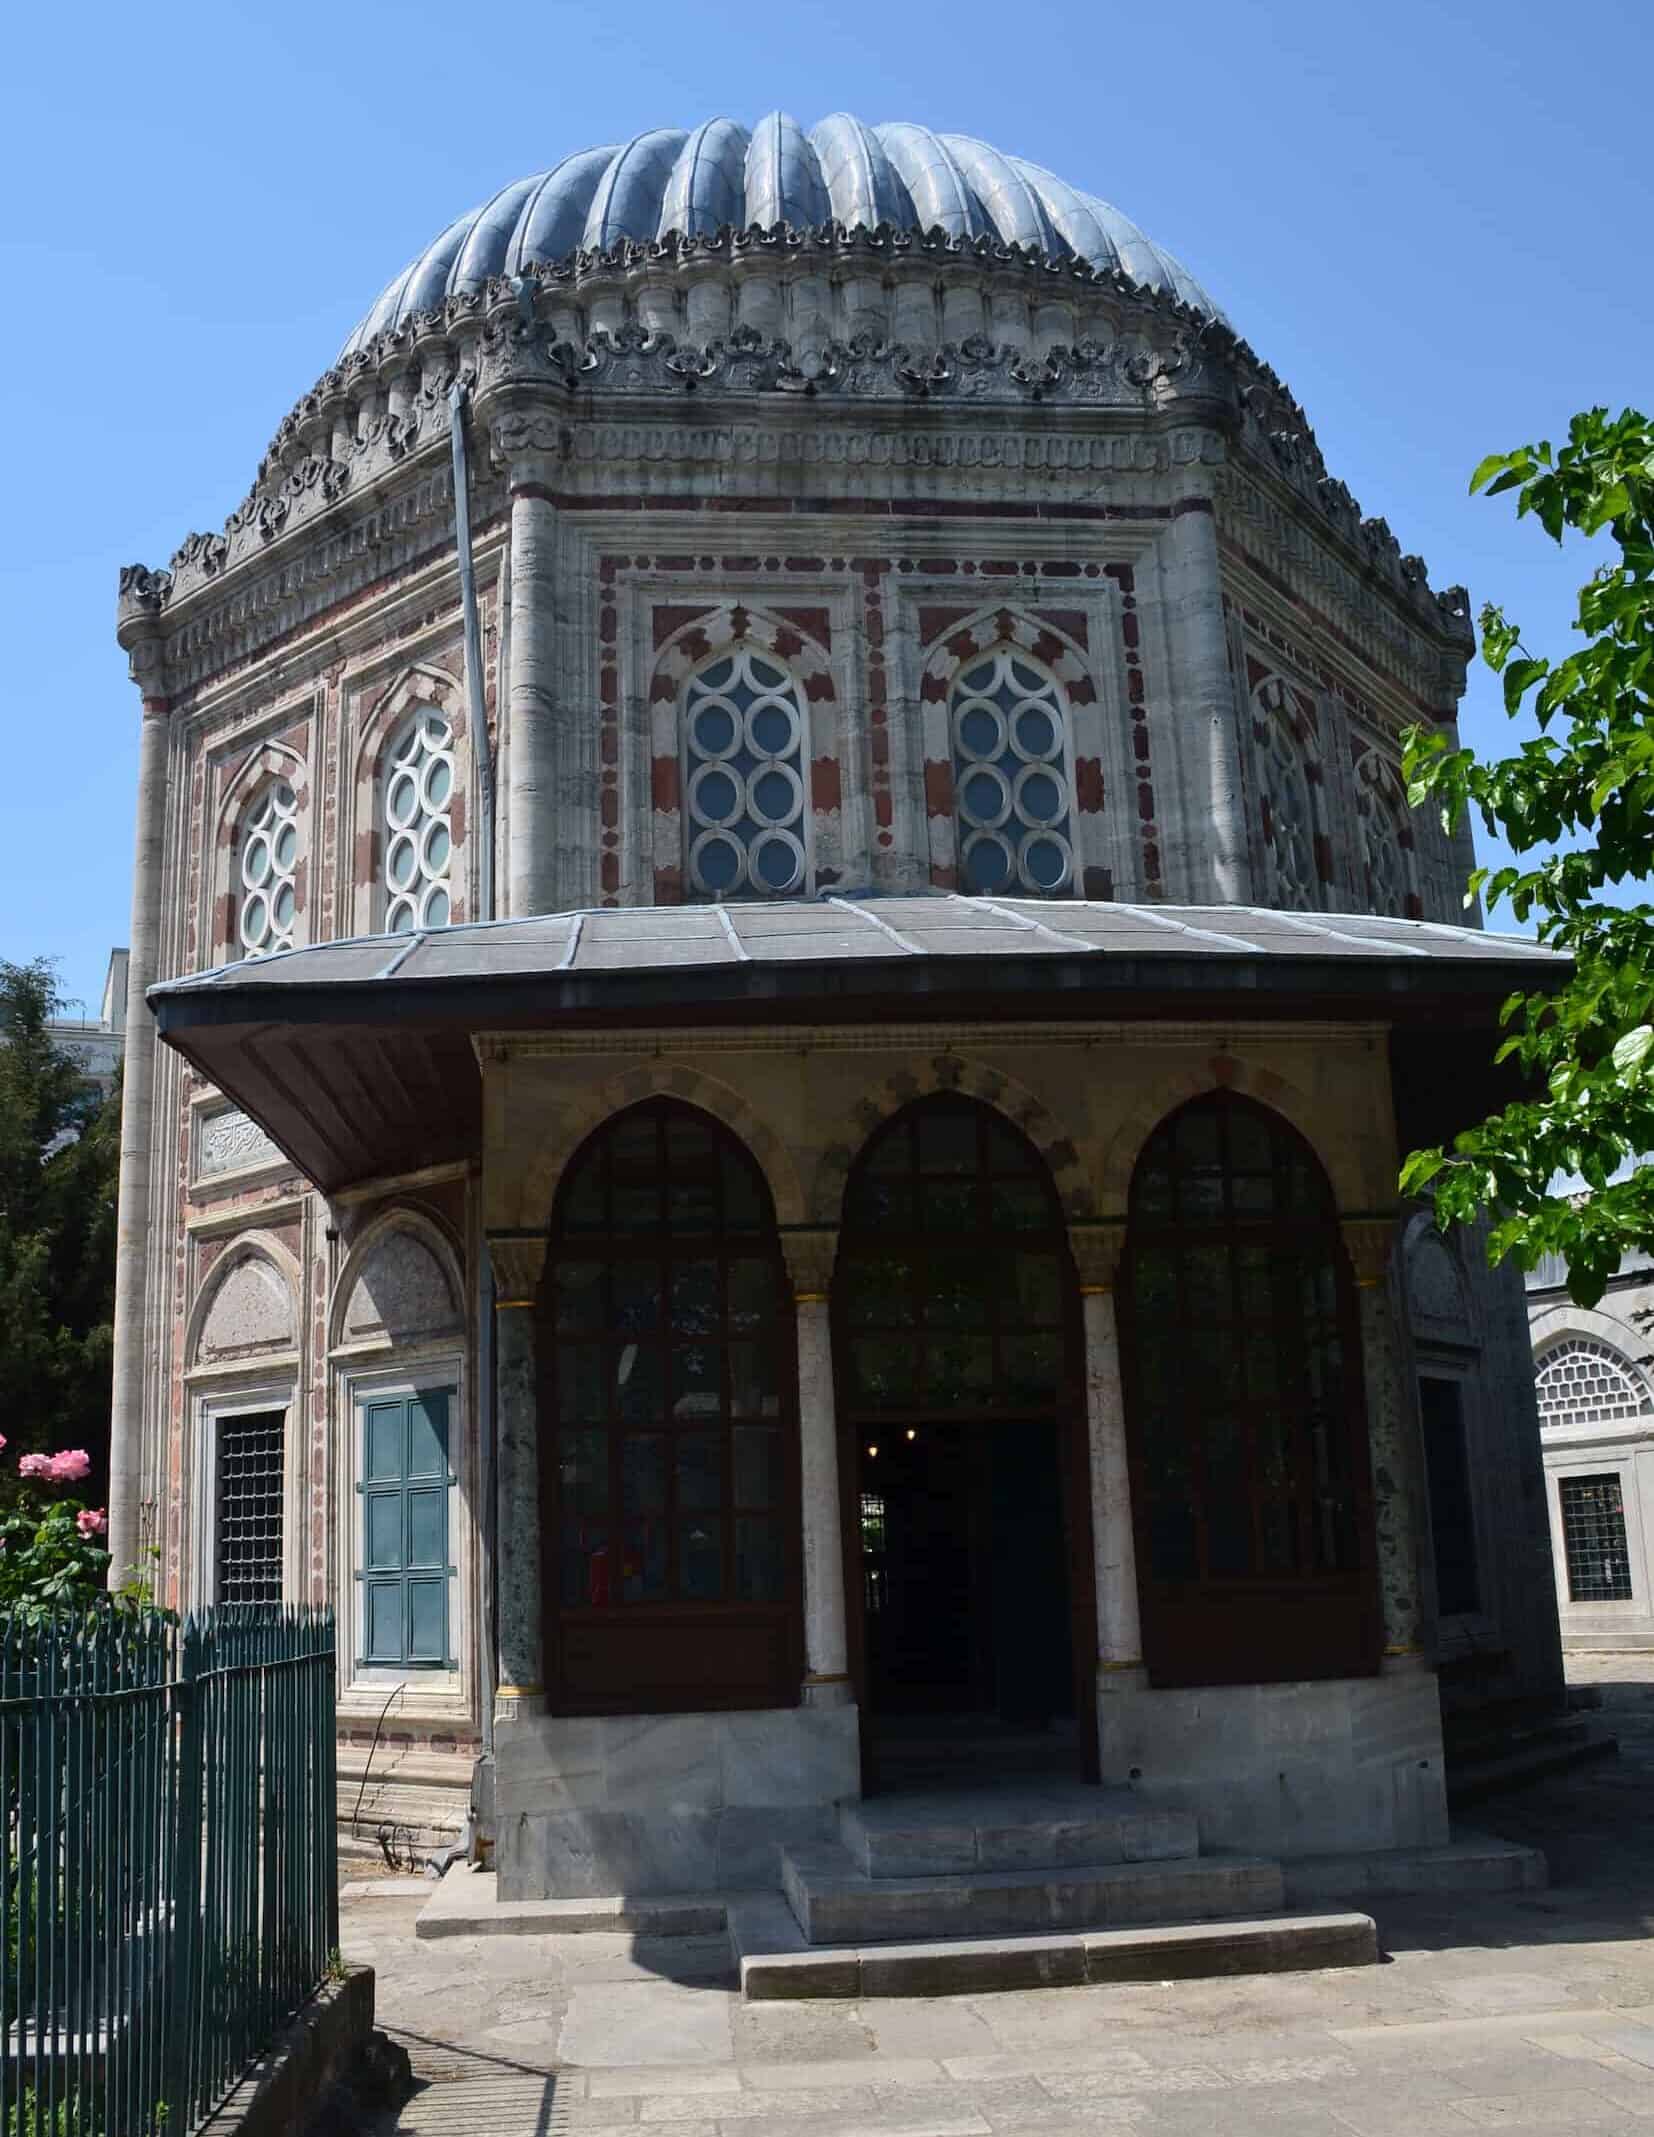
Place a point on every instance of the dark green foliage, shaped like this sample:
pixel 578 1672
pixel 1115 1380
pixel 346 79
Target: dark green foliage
pixel 59 1161
pixel 1576 805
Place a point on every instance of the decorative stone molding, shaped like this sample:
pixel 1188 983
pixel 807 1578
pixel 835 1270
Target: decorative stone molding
pixel 227 1141
pixel 1369 1242
pixel 971 1079
pixel 534 1189
pixel 519 1262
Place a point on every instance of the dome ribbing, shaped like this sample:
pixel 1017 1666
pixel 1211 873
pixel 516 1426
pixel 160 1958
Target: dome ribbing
pixel 720 175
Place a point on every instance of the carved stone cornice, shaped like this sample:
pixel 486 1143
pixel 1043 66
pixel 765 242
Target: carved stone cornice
pixel 519 1264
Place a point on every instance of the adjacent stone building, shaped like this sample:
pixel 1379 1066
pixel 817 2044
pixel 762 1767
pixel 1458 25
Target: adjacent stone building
pixel 1596 1415
pixel 785 1028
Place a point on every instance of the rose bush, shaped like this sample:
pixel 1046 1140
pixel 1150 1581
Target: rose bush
pixel 52 1558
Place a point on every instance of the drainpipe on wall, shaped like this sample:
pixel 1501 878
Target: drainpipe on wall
pixel 139 632
pixel 482 1783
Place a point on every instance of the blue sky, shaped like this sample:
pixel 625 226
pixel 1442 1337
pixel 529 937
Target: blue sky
pixel 1436 222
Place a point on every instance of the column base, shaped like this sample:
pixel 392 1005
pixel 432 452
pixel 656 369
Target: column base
pixel 517 1703
pixel 826 1692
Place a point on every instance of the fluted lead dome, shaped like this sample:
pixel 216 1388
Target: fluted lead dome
pixel 695 183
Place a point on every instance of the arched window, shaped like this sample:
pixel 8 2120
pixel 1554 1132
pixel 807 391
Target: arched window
pixel 1581 1382
pixel 1013 778
pixel 266 862
pixel 1245 1414
pixel 673 1580
pixel 1288 813
pixel 417 791
pixel 745 736
pixel 1379 809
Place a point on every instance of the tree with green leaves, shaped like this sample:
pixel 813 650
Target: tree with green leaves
pixel 1559 1170
pixel 59 1160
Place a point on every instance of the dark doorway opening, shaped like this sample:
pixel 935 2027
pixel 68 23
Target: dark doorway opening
pixel 968 1503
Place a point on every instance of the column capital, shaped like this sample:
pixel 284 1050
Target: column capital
pixel 519 1260
pixel 810 1250
pixel 1368 1240
pixel 1096 1246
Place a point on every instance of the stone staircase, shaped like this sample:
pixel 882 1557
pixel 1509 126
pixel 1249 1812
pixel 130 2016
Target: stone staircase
pixel 1021 1884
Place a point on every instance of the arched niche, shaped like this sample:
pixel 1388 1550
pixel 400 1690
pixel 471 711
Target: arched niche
pixel 246 1310
pixel 400 1286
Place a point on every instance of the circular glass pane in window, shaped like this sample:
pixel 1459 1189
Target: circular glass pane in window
pixel 284 907
pixel 287 847
pixel 436 731
pixel 714 795
pixel 437 847
pixel 715 729
pixel 437 907
pixel 979 728
pixel 716 862
pixel 988 864
pixel 1039 797
pixel 1045 862
pixel 255 921
pixel 438 782
pixel 984 797
pixel 402 862
pixel 777 796
pixel 286 800
pixel 255 860
pixel 402 800
pixel 400 919
pixel 1035 732
pixel 776 861
pixel 772 728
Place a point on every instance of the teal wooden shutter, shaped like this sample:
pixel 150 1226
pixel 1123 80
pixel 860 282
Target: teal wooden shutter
pixel 404 1489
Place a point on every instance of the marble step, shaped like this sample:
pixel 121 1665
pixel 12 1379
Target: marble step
pixel 776 1964
pixel 836 1902
pixel 1052 1827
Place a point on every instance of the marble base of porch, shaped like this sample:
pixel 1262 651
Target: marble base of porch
pixel 601 1804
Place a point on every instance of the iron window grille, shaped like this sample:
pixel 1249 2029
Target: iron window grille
pixel 1593 1540
pixel 247 1529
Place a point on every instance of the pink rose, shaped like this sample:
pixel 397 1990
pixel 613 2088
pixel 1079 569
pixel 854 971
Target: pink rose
pixel 34 1465
pixel 71 1465
pixel 91 1521
pixel 2 1439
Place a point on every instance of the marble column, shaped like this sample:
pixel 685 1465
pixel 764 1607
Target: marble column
pixel 537 822
pixel 519 1263
pixel 826 1649
pixel 1096 1250
pixel 1396 1448
pixel 140 634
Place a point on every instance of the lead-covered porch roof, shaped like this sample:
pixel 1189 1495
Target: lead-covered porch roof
pixel 356 1057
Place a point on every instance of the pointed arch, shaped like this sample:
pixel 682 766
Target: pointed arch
pixel 421 690
pixel 1294 851
pixel 272 767
pixel 1004 815
pixel 1387 856
pixel 537 1182
pixel 247 1309
pixel 766 843
pixel 922 1078
pixel 383 1295
pixel 1346 1159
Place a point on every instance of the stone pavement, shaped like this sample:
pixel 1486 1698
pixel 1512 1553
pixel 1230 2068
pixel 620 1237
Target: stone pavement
pixel 1530 2011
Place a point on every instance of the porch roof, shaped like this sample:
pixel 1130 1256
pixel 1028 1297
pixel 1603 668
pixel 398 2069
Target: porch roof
pixel 356 1057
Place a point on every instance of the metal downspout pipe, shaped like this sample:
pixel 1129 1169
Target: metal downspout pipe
pixel 487 812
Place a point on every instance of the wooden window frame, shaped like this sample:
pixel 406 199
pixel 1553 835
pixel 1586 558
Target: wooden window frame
pixel 1259 1627
pixel 677 1654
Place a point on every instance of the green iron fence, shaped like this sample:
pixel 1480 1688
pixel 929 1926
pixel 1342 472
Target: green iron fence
pixel 167 1860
